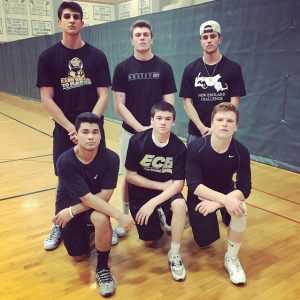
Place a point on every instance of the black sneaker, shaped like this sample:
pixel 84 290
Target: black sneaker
pixel 106 282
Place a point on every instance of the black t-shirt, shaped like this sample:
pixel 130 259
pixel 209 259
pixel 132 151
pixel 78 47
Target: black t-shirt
pixel 75 75
pixel 210 86
pixel 205 166
pixel 154 163
pixel 144 83
pixel 77 179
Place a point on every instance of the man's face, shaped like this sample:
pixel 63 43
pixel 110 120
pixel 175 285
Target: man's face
pixel 162 122
pixel 89 136
pixel 141 39
pixel 210 42
pixel 224 124
pixel 70 22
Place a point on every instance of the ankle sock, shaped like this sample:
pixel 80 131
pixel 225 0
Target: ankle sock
pixel 233 249
pixel 174 250
pixel 102 259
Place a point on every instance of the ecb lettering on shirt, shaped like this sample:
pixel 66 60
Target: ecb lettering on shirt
pixel 157 164
pixel 148 75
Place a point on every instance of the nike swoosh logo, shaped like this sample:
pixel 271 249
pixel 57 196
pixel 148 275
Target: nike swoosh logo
pixel 230 156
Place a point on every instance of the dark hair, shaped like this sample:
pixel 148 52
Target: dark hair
pixel 86 117
pixel 224 107
pixel 73 6
pixel 163 106
pixel 140 24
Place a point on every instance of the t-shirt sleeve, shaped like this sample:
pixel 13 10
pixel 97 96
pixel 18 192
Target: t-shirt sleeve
pixel 111 176
pixel 102 71
pixel 179 165
pixel 43 73
pixel 193 171
pixel 169 85
pixel 237 86
pixel 186 88
pixel 72 179
pixel 243 176
pixel 119 80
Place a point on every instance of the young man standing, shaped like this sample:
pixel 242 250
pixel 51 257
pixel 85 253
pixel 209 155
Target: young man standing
pixel 138 82
pixel 73 77
pixel 211 163
pixel 155 174
pixel 209 80
pixel 88 174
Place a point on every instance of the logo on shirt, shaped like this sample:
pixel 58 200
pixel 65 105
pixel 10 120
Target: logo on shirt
pixel 76 76
pixel 140 76
pixel 157 164
pixel 205 82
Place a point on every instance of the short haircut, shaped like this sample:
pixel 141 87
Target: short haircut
pixel 140 24
pixel 86 117
pixel 163 106
pixel 224 107
pixel 73 6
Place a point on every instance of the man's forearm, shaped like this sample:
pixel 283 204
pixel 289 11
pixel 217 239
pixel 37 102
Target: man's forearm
pixel 175 188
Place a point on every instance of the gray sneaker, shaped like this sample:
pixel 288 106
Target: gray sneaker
pixel 176 267
pixel 120 230
pixel 114 238
pixel 106 283
pixel 53 240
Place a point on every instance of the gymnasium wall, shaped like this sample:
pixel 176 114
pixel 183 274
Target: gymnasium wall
pixel 263 36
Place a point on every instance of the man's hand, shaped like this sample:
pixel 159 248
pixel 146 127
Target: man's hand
pixel 144 213
pixel 62 218
pixel 144 128
pixel 166 184
pixel 73 136
pixel 234 206
pixel 206 207
pixel 205 131
pixel 126 221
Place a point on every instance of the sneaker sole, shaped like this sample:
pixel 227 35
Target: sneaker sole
pixel 179 279
pixel 52 248
pixel 107 294
pixel 238 283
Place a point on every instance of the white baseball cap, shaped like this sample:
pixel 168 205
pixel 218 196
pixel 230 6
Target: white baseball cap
pixel 210 26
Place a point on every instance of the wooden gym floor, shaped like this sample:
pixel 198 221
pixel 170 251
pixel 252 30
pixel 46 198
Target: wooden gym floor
pixel 270 252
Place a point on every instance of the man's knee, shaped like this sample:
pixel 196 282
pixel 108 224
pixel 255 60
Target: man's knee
pixel 178 205
pixel 238 223
pixel 80 258
pixel 100 220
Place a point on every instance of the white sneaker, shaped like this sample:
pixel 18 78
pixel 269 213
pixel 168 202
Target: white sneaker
pixel 53 240
pixel 235 270
pixel 114 238
pixel 176 267
pixel 120 230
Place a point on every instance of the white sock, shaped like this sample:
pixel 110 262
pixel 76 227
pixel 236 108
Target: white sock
pixel 233 249
pixel 174 250
pixel 125 207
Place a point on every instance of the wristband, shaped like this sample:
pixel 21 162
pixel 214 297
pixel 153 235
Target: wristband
pixel 71 213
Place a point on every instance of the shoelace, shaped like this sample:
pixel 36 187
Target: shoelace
pixel 55 233
pixel 104 276
pixel 176 261
pixel 237 264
